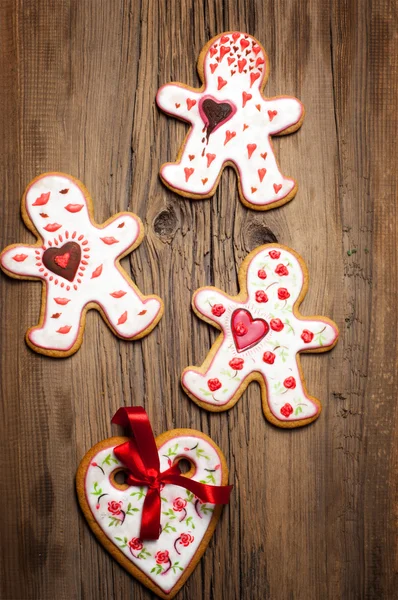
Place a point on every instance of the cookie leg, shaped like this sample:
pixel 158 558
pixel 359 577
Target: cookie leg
pixel 261 181
pixel 126 312
pixel 61 325
pixel 222 380
pixel 198 169
pixel 286 397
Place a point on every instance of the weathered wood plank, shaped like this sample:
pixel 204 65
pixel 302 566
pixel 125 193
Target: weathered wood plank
pixel 312 514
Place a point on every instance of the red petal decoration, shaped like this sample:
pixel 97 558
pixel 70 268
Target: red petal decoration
pixel 121 225
pixel 109 240
pixel 65 329
pixel 118 294
pixel 65 191
pixel 20 257
pixel 97 272
pixel 51 227
pixel 44 215
pixel 62 301
pixel 142 313
pixel 41 200
pixel 122 318
pixel 56 315
pixel 74 208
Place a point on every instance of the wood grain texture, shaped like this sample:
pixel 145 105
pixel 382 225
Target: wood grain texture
pixel 314 511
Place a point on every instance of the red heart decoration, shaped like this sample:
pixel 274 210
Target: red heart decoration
pixel 247 332
pixel 214 113
pixel 63 261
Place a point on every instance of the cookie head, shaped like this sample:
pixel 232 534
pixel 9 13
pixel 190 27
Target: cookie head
pixel 54 203
pixel 234 60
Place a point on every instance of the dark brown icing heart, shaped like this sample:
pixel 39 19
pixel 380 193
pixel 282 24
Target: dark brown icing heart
pixel 214 113
pixel 63 261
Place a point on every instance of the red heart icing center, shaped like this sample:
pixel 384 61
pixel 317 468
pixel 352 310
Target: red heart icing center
pixel 246 331
pixel 63 261
pixel 215 113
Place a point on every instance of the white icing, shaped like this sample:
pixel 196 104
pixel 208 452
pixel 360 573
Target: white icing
pixel 257 188
pixel 284 344
pixel 208 469
pixel 123 312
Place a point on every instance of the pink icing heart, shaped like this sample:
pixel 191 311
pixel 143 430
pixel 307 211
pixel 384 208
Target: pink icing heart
pixel 246 331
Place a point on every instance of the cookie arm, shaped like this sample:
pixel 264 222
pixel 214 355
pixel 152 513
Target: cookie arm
pixel 316 334
pixel 213 304
pixel 289 114
pixel 178 101
pixel 22 261
pixel 121 232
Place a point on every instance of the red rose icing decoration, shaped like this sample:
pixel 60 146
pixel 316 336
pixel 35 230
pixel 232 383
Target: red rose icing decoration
pixel 283 294
pixel 307 336
pixel 213 385
pixel 237 364
pixel 282 271
pixel 247 332
pixel 276 324
pixel 269 357
pixel 290 383
pixel 217 310
pixel 287 410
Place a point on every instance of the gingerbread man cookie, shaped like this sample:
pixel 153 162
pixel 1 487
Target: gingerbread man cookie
pixel 231 124
pixel 262 335
pixel 78 263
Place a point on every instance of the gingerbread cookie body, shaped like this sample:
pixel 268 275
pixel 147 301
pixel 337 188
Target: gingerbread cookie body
pixel 231 124
pixel 262 336
pixel 78 263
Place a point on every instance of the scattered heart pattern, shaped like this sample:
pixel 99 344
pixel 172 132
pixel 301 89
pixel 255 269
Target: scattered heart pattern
pixel 230 116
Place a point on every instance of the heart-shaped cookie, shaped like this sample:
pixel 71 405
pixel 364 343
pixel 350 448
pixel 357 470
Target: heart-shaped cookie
pixel 114 510
pixel 246 331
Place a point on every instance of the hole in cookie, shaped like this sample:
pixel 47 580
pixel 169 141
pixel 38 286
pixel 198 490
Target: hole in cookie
pixel 186 466
pixel 118 479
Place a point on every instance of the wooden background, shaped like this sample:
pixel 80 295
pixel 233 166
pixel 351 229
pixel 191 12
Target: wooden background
pixel 313 513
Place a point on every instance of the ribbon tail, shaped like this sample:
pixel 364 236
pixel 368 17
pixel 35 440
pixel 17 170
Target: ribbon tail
pixel 214 494
pixel 150 523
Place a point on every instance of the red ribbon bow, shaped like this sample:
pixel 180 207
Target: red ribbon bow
pixel 140 456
